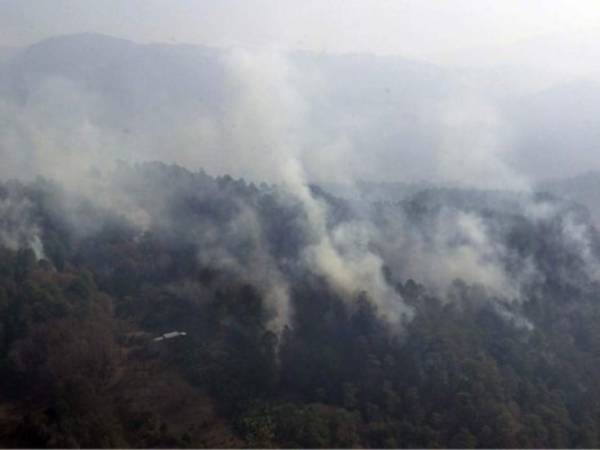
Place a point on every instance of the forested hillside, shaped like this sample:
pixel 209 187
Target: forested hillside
pixel 469 318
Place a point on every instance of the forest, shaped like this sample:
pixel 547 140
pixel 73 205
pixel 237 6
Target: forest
pixel 400 347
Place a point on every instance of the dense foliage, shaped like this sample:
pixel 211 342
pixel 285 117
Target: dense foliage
pixel 80 367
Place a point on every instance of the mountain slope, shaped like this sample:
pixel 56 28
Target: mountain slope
pixel 471 363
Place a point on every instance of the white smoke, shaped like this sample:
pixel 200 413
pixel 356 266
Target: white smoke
pixel 18 227
pixel 270 126
pixel 266 127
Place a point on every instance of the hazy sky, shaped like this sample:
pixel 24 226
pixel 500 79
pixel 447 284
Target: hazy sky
pixel 521 47
pixel 439 30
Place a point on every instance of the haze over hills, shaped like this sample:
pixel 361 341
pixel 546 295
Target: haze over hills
pixel 363 115
pixel 582 189
pixel 6 52
pixel 150 90
pixel 207 247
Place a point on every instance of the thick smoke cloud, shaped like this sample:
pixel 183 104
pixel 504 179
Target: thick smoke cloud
pixel 271 115
pixel 290 119
pixel 346 117
pixel 455 245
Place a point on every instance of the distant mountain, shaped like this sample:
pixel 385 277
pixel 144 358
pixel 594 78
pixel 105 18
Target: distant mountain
pixel 182 73
pixel 583 189
pixel 6 52
pixel 557 131
pixel 155 99
pixel 131 78
pixel 379 118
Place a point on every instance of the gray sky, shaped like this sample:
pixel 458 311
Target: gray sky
pixel 438 30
